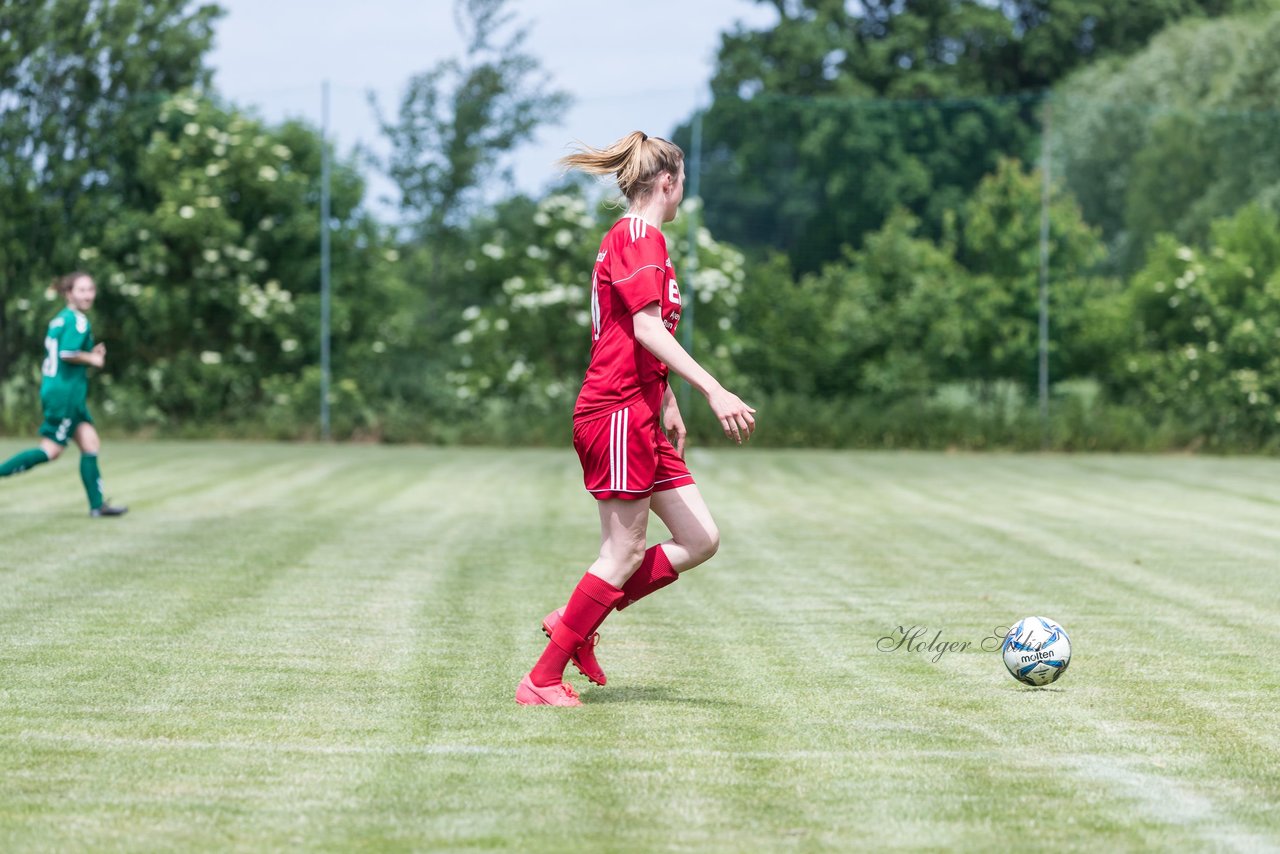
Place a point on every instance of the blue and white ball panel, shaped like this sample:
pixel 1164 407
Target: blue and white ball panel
pixel 1036 651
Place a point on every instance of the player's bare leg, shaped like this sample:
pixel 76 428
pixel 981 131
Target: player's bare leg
pixel 694 539
pixel 694 535
pixel 623 526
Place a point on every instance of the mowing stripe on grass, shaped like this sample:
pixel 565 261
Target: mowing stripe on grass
pixel 317 646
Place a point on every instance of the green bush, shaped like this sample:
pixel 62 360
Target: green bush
pixel 1204 350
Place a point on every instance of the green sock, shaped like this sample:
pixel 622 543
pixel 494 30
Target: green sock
pixel 92 479
pixel 22 461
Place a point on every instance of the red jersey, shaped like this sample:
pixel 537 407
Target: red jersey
pixel 632 271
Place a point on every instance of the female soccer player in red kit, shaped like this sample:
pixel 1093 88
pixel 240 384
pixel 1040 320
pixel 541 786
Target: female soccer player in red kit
pixel 624 414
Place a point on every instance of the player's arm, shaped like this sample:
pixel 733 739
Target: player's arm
pixel 95 358
pixel 673 421
pixel 734 415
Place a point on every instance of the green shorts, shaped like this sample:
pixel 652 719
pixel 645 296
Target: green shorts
pixel 62 418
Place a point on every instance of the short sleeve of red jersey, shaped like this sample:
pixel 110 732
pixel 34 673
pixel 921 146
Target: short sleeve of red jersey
pixel 639 270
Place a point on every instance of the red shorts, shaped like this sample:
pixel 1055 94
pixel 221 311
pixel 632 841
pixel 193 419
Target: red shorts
pixel 626 455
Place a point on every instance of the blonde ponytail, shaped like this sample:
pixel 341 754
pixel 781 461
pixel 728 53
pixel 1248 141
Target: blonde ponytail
pixel 636 160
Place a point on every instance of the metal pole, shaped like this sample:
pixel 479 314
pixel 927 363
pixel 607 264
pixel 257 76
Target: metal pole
pixel 324 261
pixel 1045 151
pixel 688 296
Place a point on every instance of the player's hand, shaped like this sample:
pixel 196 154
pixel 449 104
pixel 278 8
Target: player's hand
pixel 735 417
pixel 673 424
pixel 99 354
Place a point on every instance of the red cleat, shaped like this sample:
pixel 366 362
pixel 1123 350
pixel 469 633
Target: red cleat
pixel 528 694
pixel 585 658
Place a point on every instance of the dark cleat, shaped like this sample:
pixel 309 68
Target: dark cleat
pixel 107 509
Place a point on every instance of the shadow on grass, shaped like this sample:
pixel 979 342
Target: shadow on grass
pixel 651 694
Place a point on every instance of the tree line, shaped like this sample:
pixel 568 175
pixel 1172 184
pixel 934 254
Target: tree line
pixel 866 244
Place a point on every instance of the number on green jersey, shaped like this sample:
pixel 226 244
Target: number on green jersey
pixel 50 366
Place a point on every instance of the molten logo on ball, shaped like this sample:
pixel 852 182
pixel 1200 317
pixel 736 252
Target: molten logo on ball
pixel 1037 651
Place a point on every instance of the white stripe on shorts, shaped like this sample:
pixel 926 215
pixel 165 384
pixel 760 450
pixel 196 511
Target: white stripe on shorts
pixel 626 423
pixel 618 450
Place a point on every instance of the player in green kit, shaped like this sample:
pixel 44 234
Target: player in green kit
pixel 69 352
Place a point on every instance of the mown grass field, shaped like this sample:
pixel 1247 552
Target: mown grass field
pixel 315 647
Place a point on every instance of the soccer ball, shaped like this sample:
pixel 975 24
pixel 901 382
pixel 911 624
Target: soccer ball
pixel 1036 651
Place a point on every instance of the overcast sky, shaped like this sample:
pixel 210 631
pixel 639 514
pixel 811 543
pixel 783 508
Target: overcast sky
pixel 628 66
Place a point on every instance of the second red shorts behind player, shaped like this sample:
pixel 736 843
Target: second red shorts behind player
pixel 626 455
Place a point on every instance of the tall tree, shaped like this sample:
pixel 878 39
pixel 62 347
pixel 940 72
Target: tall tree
pixel 208 282
pixel 921 48
pixel 839 113
pixel 1177 136
pixel 458 119
pixel 451 138
pixel 80 84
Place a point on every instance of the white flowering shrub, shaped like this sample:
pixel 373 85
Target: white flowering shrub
pixel 1205 347
pixel 209 279
pixel 712 276
pixel 529 342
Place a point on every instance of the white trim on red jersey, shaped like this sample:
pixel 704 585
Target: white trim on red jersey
pixel 639 270
pixel 639 227
pixel 595 302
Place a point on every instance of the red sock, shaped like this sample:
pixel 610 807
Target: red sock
pixel 655 573
pixel 591 602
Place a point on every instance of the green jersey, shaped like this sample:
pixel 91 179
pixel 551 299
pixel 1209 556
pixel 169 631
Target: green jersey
pixel 69 332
